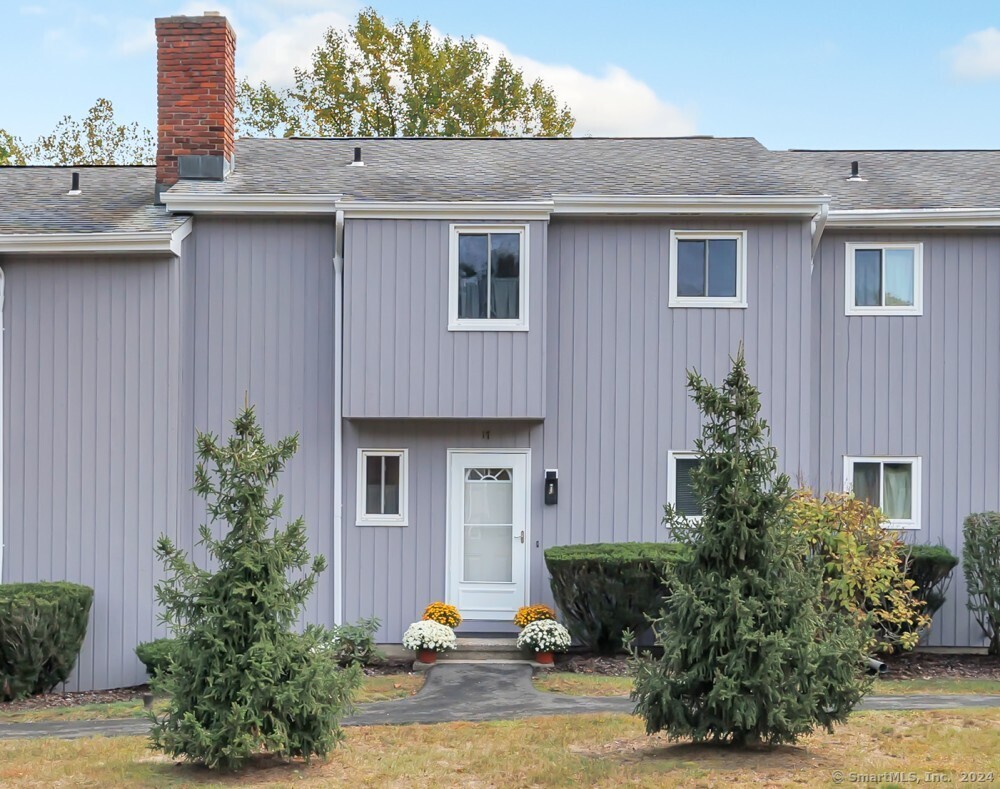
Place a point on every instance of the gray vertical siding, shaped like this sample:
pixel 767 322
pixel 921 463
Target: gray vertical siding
pixel 91 352
pixel 924 386
pixel 259 313
pixel 616 403
pixel 400 359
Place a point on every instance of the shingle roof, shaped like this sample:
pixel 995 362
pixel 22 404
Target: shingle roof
pixel 111 199
pixel 507 168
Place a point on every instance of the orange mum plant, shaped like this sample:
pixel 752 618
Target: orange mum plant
pixel 532 613
pixel 443 613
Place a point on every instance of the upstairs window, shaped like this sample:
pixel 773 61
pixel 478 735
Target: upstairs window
pixel 884 279
pixel 708 269
pixel 488 278
pixel 382 487
pixel 890 483
pixel 680 492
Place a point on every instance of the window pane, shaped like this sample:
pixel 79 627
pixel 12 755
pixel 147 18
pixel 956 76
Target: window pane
pixel 391 485
pixel 373 485
pixel 868 277
pixel 722 267
pixel 899 278
pixel 898 491
pixel 866 482
pixel 686 501
pixel 472 257
pixel 505 271
pixel 690 268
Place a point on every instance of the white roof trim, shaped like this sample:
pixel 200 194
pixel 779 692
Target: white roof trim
pixel 701 205
pixel 916 217
pixel 191 203
pixel 458 210
pixel 148 242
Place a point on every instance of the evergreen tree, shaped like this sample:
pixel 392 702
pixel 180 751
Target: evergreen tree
pixel 750 654
pixel 241 680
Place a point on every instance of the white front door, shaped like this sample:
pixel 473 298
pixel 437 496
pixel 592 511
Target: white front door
pixel 488 532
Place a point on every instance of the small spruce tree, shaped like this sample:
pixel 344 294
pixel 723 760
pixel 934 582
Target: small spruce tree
pixel 750 654
pixel 241 680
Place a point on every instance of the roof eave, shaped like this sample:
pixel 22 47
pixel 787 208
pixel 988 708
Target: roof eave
pixel 204 203
pixel 114 242
pixel 915 217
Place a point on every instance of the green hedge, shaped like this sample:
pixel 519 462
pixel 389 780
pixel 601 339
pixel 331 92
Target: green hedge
pixel 155 655
pixel 605 588
pixel 930 567
pixel 42 627
pixel 981 564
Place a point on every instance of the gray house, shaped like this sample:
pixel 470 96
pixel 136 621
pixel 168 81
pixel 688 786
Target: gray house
pixel 450 323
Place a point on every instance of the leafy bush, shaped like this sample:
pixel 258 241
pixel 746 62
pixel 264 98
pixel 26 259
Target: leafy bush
pixel 156 655
pixel 603 589
pixel 355 643
pixel 930 568
pixel 864 568
pixel 981 562
pixel 42 627
pixel 242 682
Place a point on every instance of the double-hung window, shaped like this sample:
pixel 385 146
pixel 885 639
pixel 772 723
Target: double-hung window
pixel 488 278
pixel 680 492
pixel 890 483
pixel 708 269
pixel 884 279
pixel 382 496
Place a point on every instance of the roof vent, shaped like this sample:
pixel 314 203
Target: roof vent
pixel 74 188
pixel 358 162
pixel 855 173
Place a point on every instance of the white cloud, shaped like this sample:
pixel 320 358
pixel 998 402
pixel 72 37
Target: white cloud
pixel 977 56
pixel 612 104
pixel 285 45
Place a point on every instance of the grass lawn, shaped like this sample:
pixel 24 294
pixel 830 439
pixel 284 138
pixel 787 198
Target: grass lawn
pixel 608 750
pixel 382 688
pixel 596 685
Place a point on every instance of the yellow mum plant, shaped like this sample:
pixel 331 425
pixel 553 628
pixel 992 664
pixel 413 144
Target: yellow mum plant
pixel 443 613
pixel 532 613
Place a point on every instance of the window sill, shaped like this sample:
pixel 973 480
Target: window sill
pixel 893 312
pixel 488 326
pixel 387 522
pixel 706 303
pixel 901 526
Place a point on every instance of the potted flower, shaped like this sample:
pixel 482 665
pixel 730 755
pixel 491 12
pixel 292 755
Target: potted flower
pixel 444 613
pixel 532 613
pixel 427 638
pixel 544 637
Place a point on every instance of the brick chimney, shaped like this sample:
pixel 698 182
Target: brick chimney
pixel 195 98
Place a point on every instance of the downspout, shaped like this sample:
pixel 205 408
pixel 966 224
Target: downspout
pixel 818 225
pixel 1 423
pixel 338 428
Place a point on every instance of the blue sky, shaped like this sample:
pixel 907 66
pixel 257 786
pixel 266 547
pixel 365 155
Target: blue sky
pixel 878 74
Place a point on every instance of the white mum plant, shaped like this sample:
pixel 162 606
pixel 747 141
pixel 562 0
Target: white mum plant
pixel 546 635
pixel 428 634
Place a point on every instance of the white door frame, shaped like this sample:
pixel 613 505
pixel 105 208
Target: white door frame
pixel 453 573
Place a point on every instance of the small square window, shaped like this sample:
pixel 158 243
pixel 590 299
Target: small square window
pixel 382 487
pixel 884 279
pixel 680 492
pixel 707 269
pixel 487 278
pixel 890 483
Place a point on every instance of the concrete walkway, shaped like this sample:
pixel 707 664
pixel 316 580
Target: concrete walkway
pixel 469 692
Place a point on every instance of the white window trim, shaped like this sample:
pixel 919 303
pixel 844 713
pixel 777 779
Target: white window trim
pixel 850 308
pixel 486 324
pixel 363 518
pixel 739 301
pixel 904 525
pixel 672 458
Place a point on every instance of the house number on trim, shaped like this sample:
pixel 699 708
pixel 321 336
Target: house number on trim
pixel 486 435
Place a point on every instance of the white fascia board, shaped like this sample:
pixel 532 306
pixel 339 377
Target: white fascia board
pixel 700 205
pixel 915 217
pixel 458 210
pixel 203 203
pixel 150 242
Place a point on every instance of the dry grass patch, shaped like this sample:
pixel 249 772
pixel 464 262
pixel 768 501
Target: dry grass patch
pixel 605 750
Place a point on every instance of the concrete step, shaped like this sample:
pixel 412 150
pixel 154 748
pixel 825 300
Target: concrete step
pixel 488 648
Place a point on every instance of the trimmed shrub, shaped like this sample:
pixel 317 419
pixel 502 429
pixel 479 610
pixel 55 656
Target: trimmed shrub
pixel 156 655
pixel 981 563
pixel 603 589
pixel 42 627
pixel 930 568
pixel 864 567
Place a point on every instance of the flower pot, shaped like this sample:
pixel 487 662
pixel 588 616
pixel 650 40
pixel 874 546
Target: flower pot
pixel 545 658
pixel 427 656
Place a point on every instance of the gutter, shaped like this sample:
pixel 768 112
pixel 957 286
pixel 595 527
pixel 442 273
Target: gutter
pixel 135 241
pixel 916 217
pixel 338 422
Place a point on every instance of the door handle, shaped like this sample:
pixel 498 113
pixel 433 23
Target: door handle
pixel 522 536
